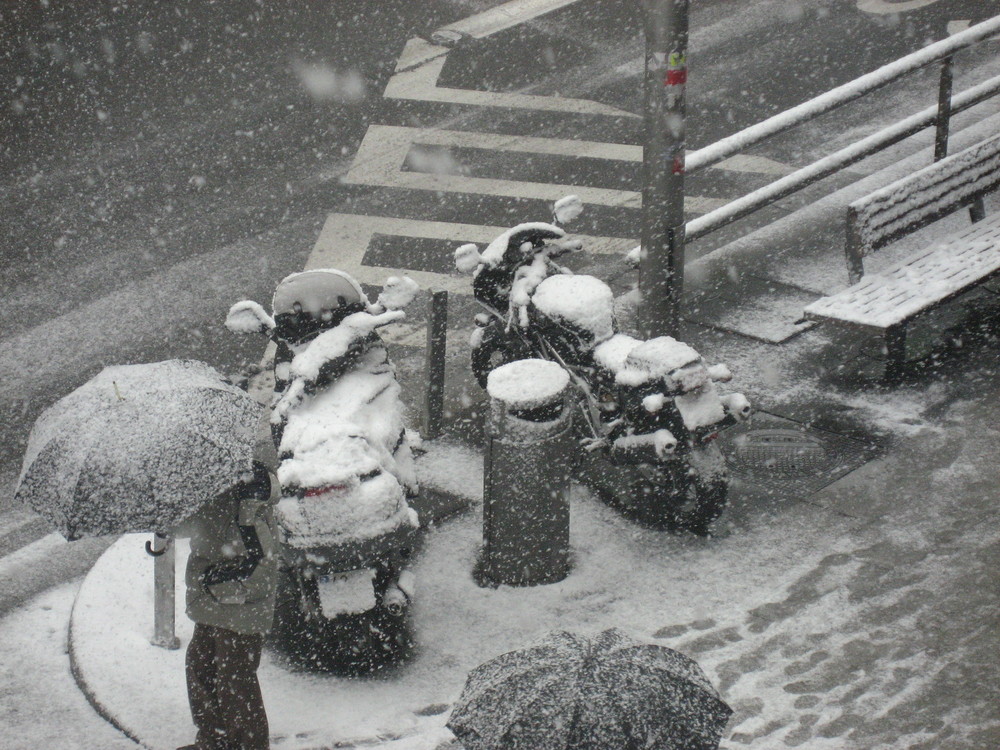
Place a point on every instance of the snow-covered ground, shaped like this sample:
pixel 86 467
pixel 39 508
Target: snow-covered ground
pixel 41 705
pixel 860 619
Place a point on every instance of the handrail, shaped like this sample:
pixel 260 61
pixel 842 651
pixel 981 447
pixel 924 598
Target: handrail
pixel 848 92
pixel 828 165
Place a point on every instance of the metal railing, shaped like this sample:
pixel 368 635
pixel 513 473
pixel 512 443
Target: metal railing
pixel 938 116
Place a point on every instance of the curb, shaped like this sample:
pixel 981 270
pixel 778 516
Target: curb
pixel 88 693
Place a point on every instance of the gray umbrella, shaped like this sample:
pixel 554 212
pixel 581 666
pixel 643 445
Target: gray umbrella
pixel 138 448
pixel 570 692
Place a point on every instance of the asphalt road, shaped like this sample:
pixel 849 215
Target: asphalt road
pixel 162 160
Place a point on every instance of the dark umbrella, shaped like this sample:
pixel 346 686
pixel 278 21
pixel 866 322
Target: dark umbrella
pixel 138 448
pixel 570 692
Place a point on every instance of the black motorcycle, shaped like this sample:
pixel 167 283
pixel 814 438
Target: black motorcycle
pixel 649 410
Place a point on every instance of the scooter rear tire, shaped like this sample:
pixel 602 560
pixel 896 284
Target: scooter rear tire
pixel 347 644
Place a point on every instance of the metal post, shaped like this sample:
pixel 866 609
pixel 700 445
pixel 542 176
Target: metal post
pixel 944 110
pixel 437 331
pixel 163 592
pixel 661 267
pixel 942 126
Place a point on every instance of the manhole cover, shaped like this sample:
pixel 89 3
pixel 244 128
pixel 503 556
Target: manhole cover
pixel 788 458
pixel 781 453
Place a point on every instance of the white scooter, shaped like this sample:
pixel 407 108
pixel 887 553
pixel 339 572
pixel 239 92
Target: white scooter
pixel 345 468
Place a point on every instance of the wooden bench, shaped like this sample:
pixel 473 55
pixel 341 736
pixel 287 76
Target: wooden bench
pixel 885 302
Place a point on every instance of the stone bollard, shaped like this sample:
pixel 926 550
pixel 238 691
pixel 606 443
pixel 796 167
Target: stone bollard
pixel 529 453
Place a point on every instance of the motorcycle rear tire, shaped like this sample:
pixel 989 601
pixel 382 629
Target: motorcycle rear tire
pixel 680 497
pixel 346 644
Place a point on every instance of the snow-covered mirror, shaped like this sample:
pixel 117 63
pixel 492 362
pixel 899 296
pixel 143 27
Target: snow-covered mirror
pixel 467 258
pixel 248 316
pixel 566 209
pixel 397 293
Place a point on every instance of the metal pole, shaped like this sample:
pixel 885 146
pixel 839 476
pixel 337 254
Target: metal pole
pixel 437 331
pixel 944 111
pixel 661 267
pixel 163 592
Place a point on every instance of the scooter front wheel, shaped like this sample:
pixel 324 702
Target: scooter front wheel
pixel 495 349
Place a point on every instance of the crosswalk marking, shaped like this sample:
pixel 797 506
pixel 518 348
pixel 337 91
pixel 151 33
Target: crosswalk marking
pixel 478 26
pixel 382 161
pixel 384 150
pixel 345 238
pixel 420 82
pixel 505 16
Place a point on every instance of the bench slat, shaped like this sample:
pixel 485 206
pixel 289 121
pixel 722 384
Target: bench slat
pixel 926 195
pixel 920 282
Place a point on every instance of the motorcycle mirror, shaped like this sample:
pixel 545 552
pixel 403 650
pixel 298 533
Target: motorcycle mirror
pixel 247 317
pixel 566 209
pixel 397 293
pixel 467 258
pixel 634 256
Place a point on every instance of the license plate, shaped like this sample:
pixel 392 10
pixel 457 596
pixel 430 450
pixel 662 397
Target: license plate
pixel 349 592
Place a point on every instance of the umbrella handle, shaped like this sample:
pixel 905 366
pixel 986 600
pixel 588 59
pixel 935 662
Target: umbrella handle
pixel 152 552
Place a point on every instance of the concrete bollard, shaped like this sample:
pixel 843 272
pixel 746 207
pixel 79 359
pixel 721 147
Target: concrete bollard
pixel 529 454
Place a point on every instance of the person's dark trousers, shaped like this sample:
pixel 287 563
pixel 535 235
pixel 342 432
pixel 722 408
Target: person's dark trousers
pixel 223 691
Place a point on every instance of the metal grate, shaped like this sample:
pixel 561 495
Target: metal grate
pixel 785 457
pixel 781 452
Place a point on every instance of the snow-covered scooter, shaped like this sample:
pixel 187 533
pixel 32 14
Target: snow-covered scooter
pixel 650 408
pixel 345 469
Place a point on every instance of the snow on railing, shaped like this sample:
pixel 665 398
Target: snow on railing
pixel 841 95
pixel 828 165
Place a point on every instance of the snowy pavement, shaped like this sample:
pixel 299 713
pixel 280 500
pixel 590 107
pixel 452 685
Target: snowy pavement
pixel 41 706
pixel 861 617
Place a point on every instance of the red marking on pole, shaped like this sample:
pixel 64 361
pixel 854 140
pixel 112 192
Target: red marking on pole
pixel 676 77
pixel 678 167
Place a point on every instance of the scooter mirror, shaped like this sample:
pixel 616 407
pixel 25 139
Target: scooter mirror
pixel 467 258
pixel 566 209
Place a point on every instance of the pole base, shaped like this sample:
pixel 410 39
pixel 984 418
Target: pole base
pixel 171 644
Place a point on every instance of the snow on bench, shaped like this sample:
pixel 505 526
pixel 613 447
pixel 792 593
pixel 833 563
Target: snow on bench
pixel 888 300
pixel 918 200
pixel 921 281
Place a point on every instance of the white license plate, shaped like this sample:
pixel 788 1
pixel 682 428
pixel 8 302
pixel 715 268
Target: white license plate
pixel 349 592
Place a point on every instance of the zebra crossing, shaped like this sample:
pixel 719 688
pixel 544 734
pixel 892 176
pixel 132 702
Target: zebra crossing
pixel 390 156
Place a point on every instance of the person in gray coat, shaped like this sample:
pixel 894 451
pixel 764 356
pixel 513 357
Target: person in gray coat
pixel 231 580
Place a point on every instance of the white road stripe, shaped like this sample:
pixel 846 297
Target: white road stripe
pixel 419 82
pixel 384 149
pixel 505 16
pixel 345 238
pixel 884 7
pixel 478 26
